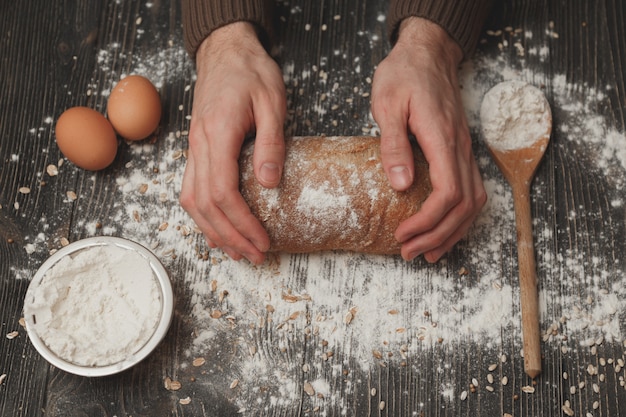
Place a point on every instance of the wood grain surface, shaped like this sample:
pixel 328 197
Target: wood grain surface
pixel 276 358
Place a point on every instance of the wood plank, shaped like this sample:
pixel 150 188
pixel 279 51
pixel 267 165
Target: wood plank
pixel 301 357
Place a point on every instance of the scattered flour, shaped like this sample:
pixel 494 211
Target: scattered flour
pixel 368 307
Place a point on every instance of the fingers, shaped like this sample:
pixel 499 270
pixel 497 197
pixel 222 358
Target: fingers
pixel 451 212
pixel 221 213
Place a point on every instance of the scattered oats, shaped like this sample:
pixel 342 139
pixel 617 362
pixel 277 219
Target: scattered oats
pixel 306 368
pixel 16 205
pixel 528 389
pixel 463 395
pixel 588 415
pixel 143 188
pixel 348 318
pixel 136 216
pixel 564 350
pixel 12 335
pixel 490 378
pixel 22 322
pixel 492 367
pixel 163 226
pixel 572 389
pixel 507 415
pixel 307 27
pixel 381 405
pixel 2 378
pixel 474 382
pixel 373 392
pixel 337 17
pixel 565 375
pixel 592 370
pixel 596 388
pixel 198 362
pixel 489 388
pixel 601 377
pixel 602 362
pixel 503 358
pixel 24 190
pixel 581 385
pixel 377 354
pixel 171 385
pixel 567 409
pixel 185 401
pixel 596 405
pixel 505 380
pixel 308 388
pixel 64 242
pixel 234 384
pixel 463 271
pixel 177 155
pixel 71 195
pixel 138 21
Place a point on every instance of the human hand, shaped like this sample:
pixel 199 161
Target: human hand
pixel 239 90
pixel 416 89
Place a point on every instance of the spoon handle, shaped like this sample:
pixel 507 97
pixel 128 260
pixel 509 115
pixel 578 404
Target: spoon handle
pixel 528 279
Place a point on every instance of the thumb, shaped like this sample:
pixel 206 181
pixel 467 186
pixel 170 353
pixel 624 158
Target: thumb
pixel 269 150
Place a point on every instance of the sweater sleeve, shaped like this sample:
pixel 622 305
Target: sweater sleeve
pixel 462 19
pixel 201 17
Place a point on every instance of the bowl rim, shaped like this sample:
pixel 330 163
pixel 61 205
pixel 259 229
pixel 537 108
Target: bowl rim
pixel 167 306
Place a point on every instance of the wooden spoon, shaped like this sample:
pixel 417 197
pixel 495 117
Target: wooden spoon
pixel 528 130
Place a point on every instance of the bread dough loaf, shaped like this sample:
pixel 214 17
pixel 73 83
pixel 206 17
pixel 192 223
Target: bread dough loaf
pixel 334 195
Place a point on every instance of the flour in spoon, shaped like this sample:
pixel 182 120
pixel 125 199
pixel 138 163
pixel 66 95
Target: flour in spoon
pixel 514 115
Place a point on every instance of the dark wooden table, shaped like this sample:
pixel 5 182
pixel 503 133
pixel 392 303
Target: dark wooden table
pixel 327 334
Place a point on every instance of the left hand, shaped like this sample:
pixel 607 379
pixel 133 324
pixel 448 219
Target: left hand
pixel 416 89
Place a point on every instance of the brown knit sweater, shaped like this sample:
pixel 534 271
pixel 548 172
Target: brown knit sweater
pixel 462 19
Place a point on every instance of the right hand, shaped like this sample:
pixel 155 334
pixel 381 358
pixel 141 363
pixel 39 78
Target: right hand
pixel 239 90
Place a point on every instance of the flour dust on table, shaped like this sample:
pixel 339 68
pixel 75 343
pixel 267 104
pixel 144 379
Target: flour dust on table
pixel 373 309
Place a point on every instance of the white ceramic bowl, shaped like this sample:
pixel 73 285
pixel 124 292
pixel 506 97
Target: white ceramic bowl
pixel 139 352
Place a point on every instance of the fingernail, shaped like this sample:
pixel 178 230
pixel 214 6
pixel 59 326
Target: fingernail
pixel 411 256
pixel 269 174
pixel 399 177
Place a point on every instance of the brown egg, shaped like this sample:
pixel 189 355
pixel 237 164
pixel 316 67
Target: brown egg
pixel 86 138
pixel 134 108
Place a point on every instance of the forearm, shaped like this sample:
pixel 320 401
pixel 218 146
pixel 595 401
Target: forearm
pixel 202 17
pixel 462 20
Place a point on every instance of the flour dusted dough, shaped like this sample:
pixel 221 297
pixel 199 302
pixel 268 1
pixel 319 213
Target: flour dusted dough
pixel 334 195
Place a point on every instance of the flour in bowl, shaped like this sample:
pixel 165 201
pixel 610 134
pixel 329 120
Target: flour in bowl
pixel 96 307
